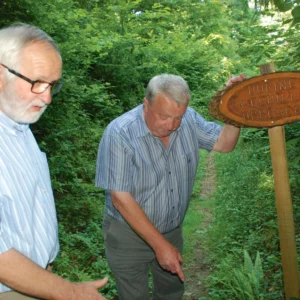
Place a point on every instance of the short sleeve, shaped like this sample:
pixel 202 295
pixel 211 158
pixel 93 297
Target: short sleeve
pixel 207 132
pixel 114 163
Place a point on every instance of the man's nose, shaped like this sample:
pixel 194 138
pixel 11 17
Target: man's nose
pixel 46 96
pixel 170 124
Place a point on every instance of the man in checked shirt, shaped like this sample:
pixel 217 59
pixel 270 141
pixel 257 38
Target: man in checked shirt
pixel 30 70
pixel 147 162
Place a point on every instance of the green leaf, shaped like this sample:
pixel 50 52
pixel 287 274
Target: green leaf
pixel 295 21
pixel 296 12
pixel 283 5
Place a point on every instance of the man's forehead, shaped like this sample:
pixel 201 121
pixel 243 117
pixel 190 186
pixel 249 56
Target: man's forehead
pixel 39 50
pixel 41 57
pixel 163 98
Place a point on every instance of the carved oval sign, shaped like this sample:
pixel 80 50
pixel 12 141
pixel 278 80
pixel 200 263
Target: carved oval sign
pixel 264 101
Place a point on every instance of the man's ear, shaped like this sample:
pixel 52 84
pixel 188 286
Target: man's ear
pixel 146 104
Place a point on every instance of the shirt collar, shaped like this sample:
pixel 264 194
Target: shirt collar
pixel 143 128
pixel 10 125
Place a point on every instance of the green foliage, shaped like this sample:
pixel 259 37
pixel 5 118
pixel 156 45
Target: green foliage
pixel 14 11
pixel 283 5
pixel 82 255
pixel 245 212
pixel 110 50
pixel 291 6
pixel 246 282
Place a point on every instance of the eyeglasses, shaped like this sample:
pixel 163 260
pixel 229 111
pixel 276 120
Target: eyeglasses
pixel 38 86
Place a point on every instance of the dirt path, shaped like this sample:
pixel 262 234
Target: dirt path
pixel 198 269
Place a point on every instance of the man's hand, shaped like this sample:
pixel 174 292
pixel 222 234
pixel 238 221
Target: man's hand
pixel 170 259
pixel 88 290
pixel 167 255
pixel 235 79
pixel 25 276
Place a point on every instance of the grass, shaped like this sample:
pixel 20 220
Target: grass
pixel 194 229
pixel 193 223
pixel 194 216
pixel 193 226
pixel 245 220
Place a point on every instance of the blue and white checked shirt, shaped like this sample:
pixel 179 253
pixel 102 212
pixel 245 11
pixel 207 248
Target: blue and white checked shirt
pixel 27 213
pixel 161 180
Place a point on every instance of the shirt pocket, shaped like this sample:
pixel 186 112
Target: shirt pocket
pixel 188 164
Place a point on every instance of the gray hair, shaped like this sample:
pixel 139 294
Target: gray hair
pixel 14 38
pixel 172 86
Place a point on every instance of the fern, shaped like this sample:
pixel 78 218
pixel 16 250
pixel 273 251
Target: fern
pixel 246 283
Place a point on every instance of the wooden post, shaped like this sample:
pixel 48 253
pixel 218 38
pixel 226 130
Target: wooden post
pixel 270 100
pixel 284 206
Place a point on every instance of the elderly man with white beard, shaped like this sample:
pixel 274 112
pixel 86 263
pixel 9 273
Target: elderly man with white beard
pixel 30 72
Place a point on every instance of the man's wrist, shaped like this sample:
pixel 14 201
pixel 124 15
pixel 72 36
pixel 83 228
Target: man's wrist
pixel 65 290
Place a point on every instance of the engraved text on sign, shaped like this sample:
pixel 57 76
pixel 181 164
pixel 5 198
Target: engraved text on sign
pixel 264 101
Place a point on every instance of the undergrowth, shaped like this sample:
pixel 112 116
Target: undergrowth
pixel 82 253
pixel 246 217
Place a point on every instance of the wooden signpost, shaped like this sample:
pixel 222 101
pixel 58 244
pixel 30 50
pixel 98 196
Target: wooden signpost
pixel 270 100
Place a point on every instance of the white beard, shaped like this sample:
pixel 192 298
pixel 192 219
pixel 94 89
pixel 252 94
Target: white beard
pixel 18 111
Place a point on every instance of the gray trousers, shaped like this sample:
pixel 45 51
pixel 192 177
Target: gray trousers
pixel 130 260
pixel 14 296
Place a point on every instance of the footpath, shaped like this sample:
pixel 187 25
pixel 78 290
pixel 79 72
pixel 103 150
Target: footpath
pixel 196 268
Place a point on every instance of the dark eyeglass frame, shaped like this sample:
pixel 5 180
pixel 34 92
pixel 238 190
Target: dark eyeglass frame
pixel 33 82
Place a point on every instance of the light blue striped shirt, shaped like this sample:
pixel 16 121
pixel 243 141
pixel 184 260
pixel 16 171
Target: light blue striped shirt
pixel 28 221
pixel 160 179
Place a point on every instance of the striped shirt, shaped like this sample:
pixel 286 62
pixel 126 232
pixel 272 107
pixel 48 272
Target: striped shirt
pixel 160 179
pixel 28 221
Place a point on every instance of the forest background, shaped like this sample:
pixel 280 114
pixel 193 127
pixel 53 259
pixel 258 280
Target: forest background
pixel 110 49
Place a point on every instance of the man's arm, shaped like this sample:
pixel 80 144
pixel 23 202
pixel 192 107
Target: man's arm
pixel 23 275
pixel 167 255
pixel 227 139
